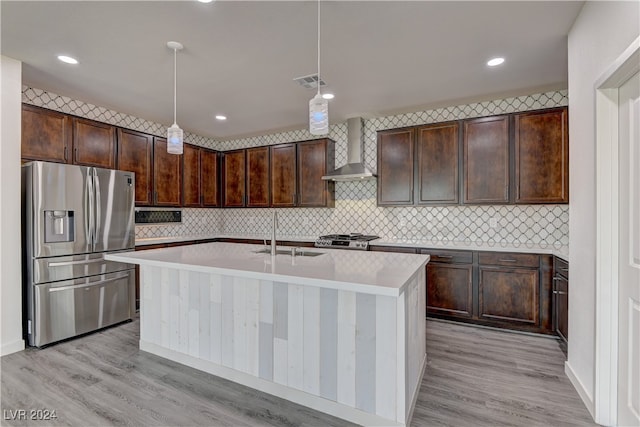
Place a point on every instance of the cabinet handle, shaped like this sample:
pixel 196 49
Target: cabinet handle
pixel 75 154
pixel 560 292
pixel 443 256
pixel 65 153
pixel 563 269
pixel 508 260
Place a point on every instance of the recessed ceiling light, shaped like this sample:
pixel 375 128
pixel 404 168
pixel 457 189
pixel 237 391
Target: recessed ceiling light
pixel 328 96
pixel 495 61
pixel 205 1
pixel 221 117
pixel 67 59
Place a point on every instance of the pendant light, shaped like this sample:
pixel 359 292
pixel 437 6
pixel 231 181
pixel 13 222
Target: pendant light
pixel 174 133
pixel 318 106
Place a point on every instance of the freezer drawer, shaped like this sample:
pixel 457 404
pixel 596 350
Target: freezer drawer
pixel 68 267
pixel 66 309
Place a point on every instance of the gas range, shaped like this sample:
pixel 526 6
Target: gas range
pixel 345 241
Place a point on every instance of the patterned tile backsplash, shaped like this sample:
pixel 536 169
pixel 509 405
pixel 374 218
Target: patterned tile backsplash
pixel 356 209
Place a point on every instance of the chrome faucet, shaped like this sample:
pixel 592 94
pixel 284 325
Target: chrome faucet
pixel 273 233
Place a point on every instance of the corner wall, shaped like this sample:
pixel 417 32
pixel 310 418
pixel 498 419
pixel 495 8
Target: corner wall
pixel 602 31
pixel 10 273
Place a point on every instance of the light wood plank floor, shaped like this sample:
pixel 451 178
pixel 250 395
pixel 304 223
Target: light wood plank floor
pixel 474 377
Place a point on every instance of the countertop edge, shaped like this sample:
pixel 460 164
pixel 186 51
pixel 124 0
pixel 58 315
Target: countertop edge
pixel 130 257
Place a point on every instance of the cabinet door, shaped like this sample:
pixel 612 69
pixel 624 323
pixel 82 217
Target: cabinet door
pixel 167 175
pixel 135 154
pixel 191 184
pixel 449 289
pixel 486 160
pixel 258 177
pixel 315 159
pixel 438 154
pixel 283 175
pixel 395 167
pixel 542 157
pixel 561 306
pixel 509 295
pixel 209 177
pixel 234 178
pixel 94 144
pixel 46 135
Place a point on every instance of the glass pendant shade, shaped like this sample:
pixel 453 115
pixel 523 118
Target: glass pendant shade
pixel 318 115
pixel 174 140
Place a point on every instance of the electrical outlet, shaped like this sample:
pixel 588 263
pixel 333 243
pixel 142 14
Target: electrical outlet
pixel 493 222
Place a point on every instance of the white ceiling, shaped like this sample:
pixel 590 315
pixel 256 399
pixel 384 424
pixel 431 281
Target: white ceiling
pixel 240 57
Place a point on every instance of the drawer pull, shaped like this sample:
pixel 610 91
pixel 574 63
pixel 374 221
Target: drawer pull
pixel 563 269
pixel 560 292
pixel 443 256
pixel 508 260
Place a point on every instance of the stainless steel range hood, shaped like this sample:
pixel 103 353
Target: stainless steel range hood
pixel 354 169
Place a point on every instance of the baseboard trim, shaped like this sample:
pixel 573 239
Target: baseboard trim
pixel 11 347
pixel 582 392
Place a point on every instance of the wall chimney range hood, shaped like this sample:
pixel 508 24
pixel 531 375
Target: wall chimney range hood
pixel 354 169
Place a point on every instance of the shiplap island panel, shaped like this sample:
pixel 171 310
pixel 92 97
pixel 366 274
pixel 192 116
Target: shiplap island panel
pixel 342 332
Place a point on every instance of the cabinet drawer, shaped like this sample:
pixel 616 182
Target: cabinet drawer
pixel 561 267
pixel 451 257
pixel 509 259
pixel 398 249
pixel 560 284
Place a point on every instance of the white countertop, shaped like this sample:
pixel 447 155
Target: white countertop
pixel 561 251
pixel 380 273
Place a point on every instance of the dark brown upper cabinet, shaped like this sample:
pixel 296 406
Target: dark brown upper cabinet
pixel 192 179
pixel 46 135
pixel 94 144
pixel 233 177
pixel 210 178
pixel 486 160
pixel 395 167
pixel 283 175
pixel 315 159
pixel 438 152
pixel 542 157
pixel 135 154
pixel 258 177
pixel 167 175
pixel 200 177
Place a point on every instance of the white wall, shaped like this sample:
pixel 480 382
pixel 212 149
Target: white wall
pixel 602 31
pixel 10 272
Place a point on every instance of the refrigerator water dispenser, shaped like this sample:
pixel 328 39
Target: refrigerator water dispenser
pixel 59 226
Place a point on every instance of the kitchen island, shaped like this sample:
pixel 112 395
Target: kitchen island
pixel 339 331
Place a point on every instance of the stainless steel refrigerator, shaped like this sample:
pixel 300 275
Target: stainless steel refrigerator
pixel 71 217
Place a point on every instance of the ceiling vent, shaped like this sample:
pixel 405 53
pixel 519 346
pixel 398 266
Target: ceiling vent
pixel 310 81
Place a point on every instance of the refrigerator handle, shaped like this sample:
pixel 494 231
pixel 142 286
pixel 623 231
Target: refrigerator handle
pixel 90 207
pixel 98 209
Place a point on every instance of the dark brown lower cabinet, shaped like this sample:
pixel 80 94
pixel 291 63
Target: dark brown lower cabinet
pixel 509 295
pixel 449 289
pixel 499 289
pixel 561 298
pixel 561 304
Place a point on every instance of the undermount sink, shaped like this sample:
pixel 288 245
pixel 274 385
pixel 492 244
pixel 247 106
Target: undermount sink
pixel 299 252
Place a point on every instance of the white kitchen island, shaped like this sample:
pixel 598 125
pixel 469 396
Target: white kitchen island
pixel 342 332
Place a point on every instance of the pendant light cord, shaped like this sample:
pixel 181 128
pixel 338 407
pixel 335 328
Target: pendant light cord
pixel 175 79
pixel 319 47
